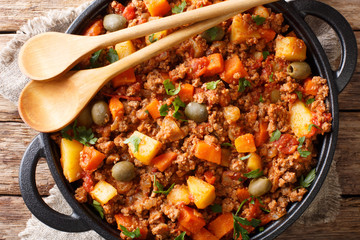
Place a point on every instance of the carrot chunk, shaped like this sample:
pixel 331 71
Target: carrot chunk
pixel 90 158
pixel 242 194
pixel 267 34
pixel 153 108
pixel 157 7
pixel 191 219
pixel 95 29
pixel 130 222
pixel 221 225
pixel 245 143
pixel 262 135
pixel 310 87
pixel 233 65
pixel 204 234
pixel 124 78
pixel 208 152
pixel 216 64
pixel 164 161
pixel 186 92
pixel 116 107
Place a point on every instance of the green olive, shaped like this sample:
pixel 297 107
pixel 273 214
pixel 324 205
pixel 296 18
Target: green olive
pixel 123 171
pixel 100 113
pixel 299 70
pixel 213 34
pixel 259 186
pixel 196 111
pixel 275 95
pixel 84 118
pixel 114 22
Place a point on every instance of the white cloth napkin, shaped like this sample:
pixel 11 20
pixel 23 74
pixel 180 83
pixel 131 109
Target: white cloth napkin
pixel 324 208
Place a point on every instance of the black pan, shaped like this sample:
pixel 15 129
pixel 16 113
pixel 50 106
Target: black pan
pixel 84 218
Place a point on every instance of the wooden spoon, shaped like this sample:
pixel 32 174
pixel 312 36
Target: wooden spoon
pixel 49 55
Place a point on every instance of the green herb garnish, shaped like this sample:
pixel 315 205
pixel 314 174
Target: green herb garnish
pixel 299 94
pixel 170 88
pixel 300 150
pixel 161 187
pixel 112 55
pixel 258 20
pixel 264 210
pixel 240 206
pixel 152 39
pixel 227 145
pixel 146 111
pixel 254 174
pixel 271 79
pixel 246 157
pixel 135 141
pixel 135 234
pixel 239 230
pixel 98 208
pixel 313 125
pixel 305 183
pixel 177 103
pixel 81 134
pixel 179 8
pixel 94 59
pixel 243 84
pixel 265 54
pixel 181 236
pixel 164 109
pixel 213 33
pixel 212 85
pixel 275 135
pixel 261 229
pixel 310 101
pixel 216 208
pixel 261 99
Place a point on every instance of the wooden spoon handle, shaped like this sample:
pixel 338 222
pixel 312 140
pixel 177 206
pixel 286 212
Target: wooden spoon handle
pixel 177 20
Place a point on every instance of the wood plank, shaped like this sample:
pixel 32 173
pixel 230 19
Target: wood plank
pixel 349 97
pixel 8 111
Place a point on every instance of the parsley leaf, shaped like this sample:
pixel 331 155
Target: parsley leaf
pixel 212 85
pixel 246 157
pixel 161 187
pixel 216 208
pixel 213 33
pixel 254 174
pixel 243 84
pixel 310 101
pixel 241 205
pixel 299 94
pixel 152 39
pixel 313 125
pixel 81 134
pixel 135 141
pixel 227 145
pixel 261 229
pixel 239 230
pixel 179 8
pixel 299 148
pixel 112 55
pixel 147 112
pixel 135 234
pixel 264 210
pixel 265 54
pixel 275 135
pixel 170 88
pixel 177 103
pixel 94 58
pixel 65 132
pixel 181 236
pixel 305 183
pixel 261 98
pixel 271 77
pixel 164 109
pixel 258 20
pixel 98 208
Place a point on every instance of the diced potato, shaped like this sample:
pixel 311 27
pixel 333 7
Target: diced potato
pixel 245 143
pixel 231 113
pixel 240 31
pixel 203 192
pixel 103 192
pixel 148 148
pixel 254 162
pixel 290 48
pixel 149 39
pixel 170 131
pixel 261 11
pixel 70 159
pixel 124 49
pixel 179 194
pixel 300 118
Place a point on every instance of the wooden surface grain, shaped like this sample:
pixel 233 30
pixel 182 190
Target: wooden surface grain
pixel 15 137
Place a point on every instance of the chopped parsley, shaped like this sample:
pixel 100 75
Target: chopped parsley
pixel 179 8
pixel 265 210
pixel 310 101
pixel 164 109
pixel 261 229
pixel 170 88
pixel 254 174
pixel 227 145
pixel 241 205
pixel 112 55
pixel 213 33
pixel 134 234
pixel 239 230
pixel 313 125
pixel 98 208
pixel 177 103
pixel 81 134
pixel 135 141
pixel 271 77
pixel 212 85
pixel 152 39
pixel 181 236
pixel 216 208
pixel 261 99
pixel 305 183
pixel 94 59
pixel 299 94
pixel 161 187
pixel 300 150
pixel 243 84
pixel 258 20
pixel 265 54
pixel 275 135
pixel 146 111
pixel 246 157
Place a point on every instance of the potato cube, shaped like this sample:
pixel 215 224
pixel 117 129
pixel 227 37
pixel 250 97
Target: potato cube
pixel 261 11
pixel 203 192
pixel 147 149
pixel 124 49
pixel 240 31
pixel 245 143
pixel 70 159
pixel 300 119
pixel 254 162
pixel 179 194
pixel 103 192
pixel 290 48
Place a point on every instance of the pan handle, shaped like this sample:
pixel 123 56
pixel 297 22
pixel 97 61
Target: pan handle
pixel 344 31
pixel 32 198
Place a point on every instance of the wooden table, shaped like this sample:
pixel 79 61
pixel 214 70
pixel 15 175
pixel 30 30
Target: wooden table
pixel 15 136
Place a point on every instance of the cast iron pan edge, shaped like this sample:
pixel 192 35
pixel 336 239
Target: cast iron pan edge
pixel 84 218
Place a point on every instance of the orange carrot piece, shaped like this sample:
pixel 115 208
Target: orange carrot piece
pixel 186 92
pixel 209 177
pixel 245 143
pixel 310 87
pixel 164 161
pixel 124 78
pixel 157 7
pixel 153 108
pixel 116 107
pixel 191 219
pixel 221 225
pixel 262 135
pixel 90 158
pixel 204 234
pixel 267 34
pixel 208 152
pixel 233 65
pixel 216 64
pixel 130 222
pixel 242 194
pixel 95 29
